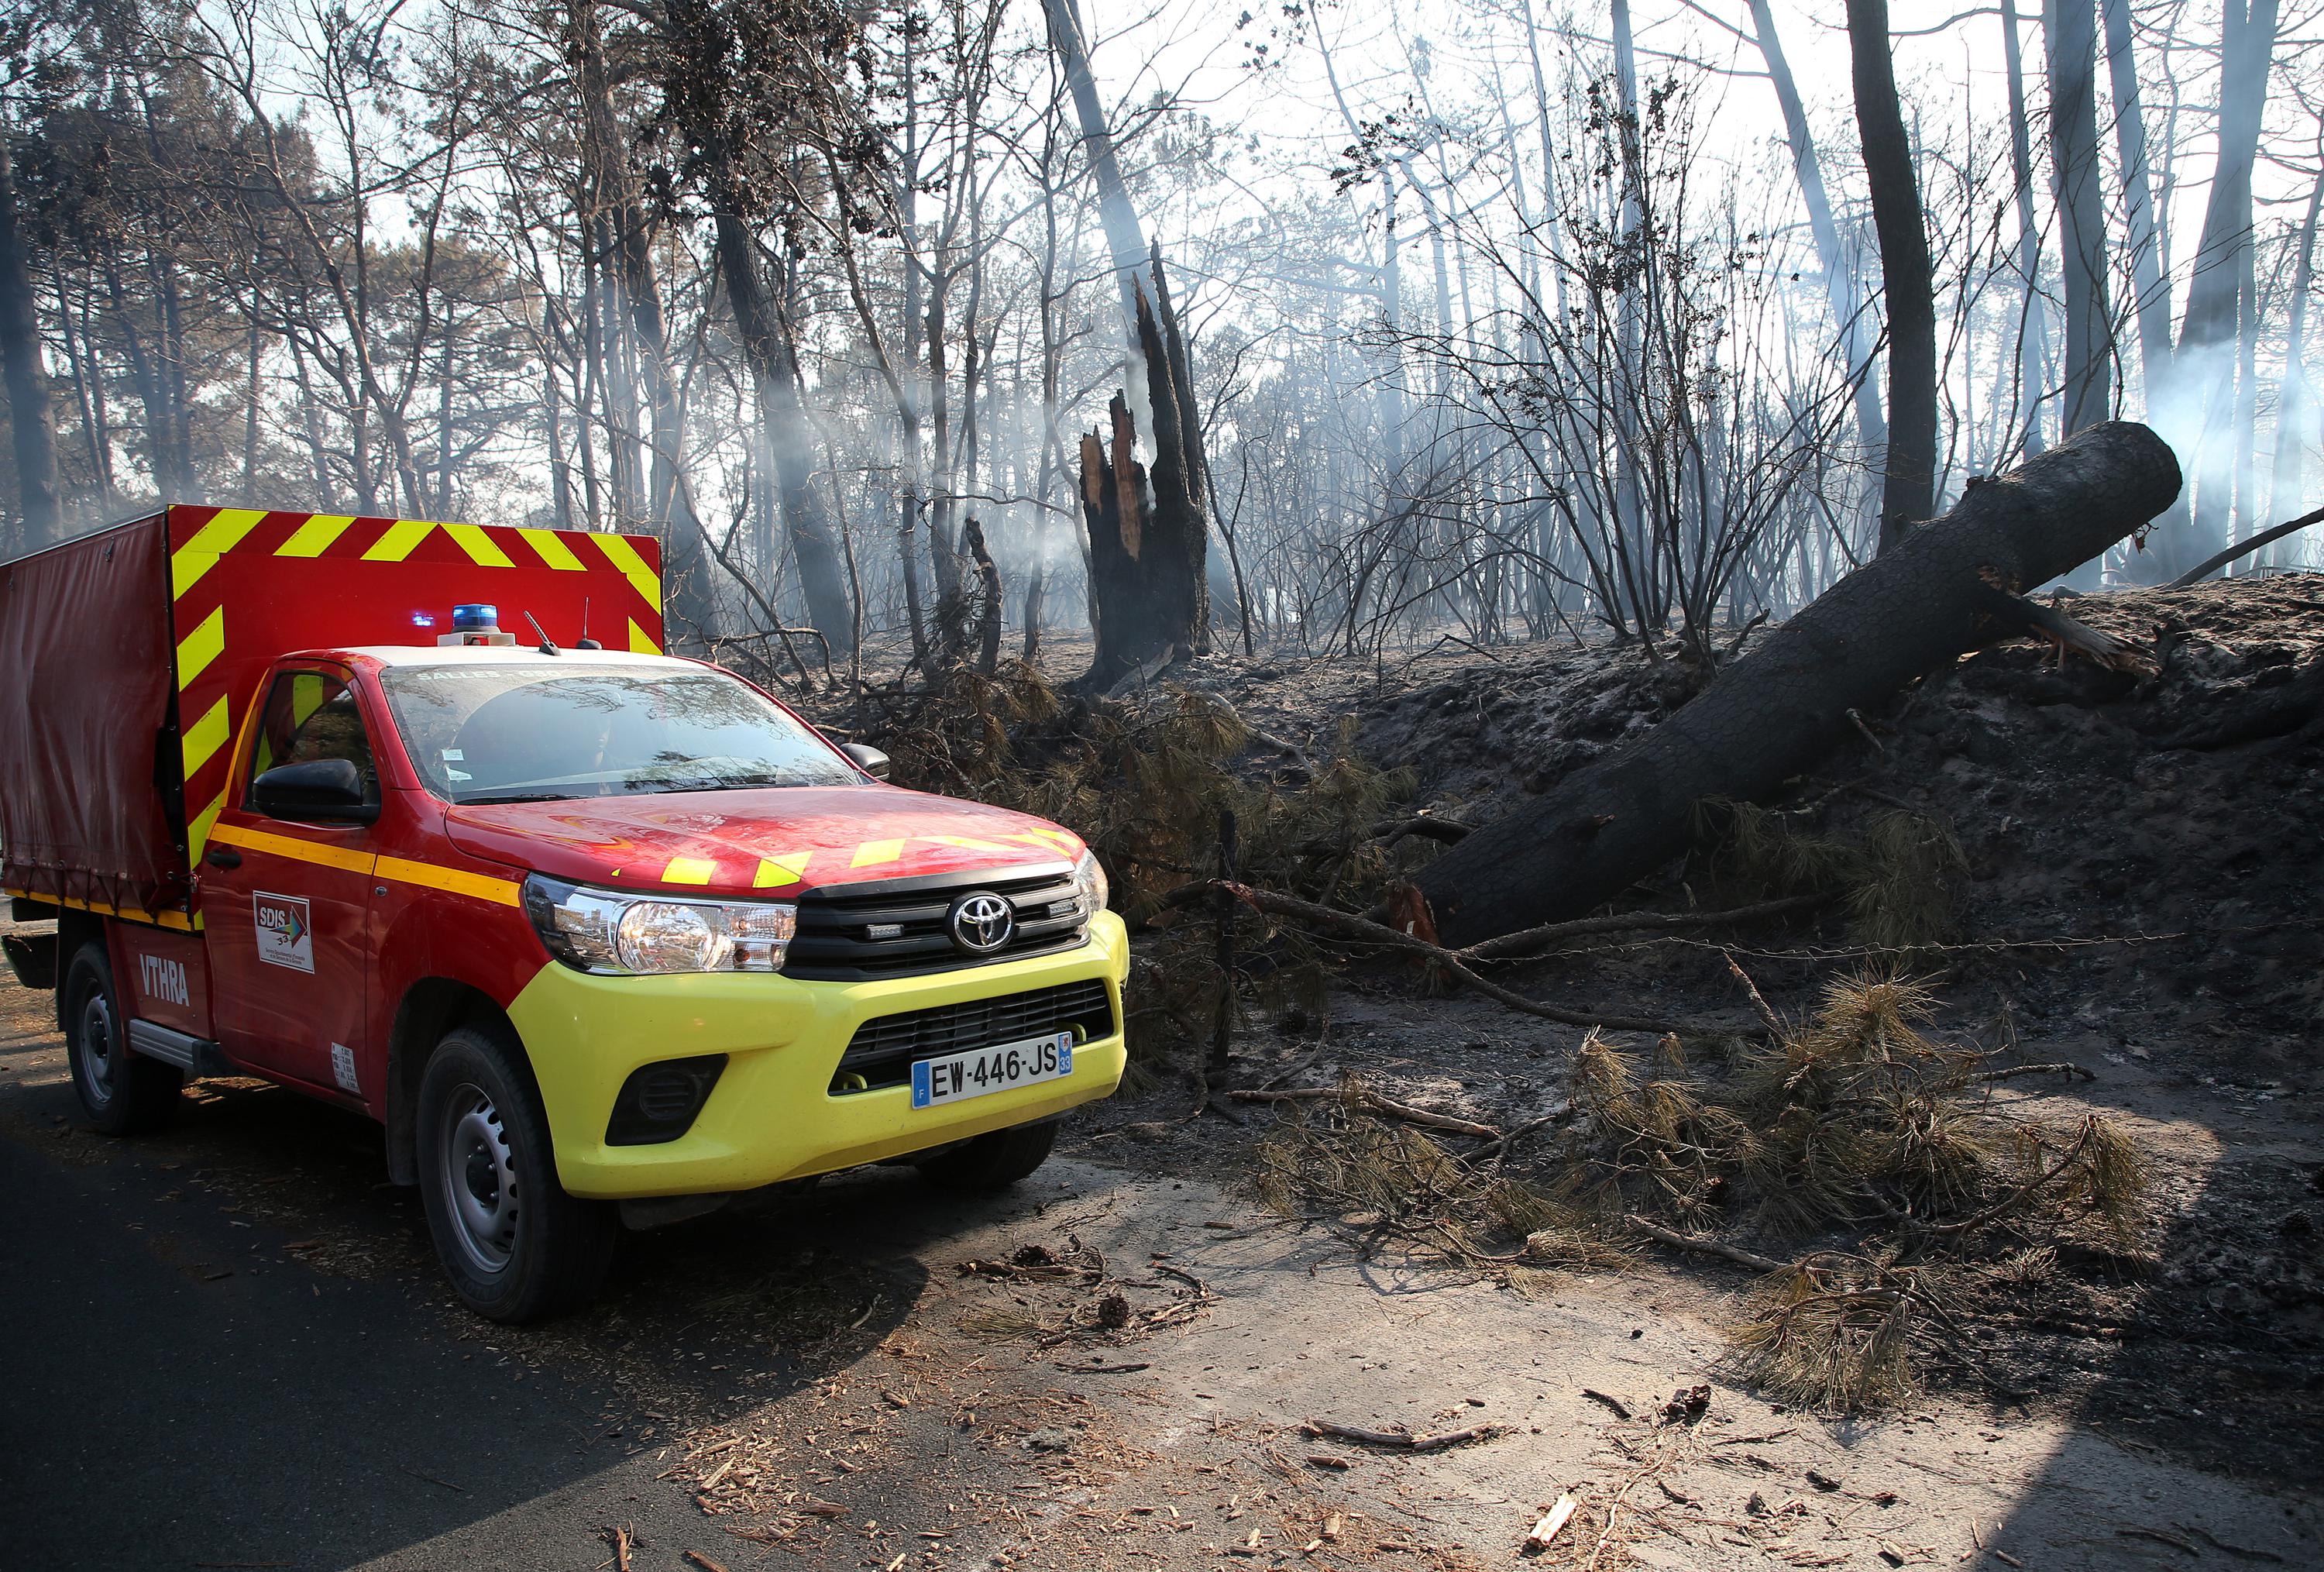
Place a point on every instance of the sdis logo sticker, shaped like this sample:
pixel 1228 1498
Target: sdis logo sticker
pixel 284 937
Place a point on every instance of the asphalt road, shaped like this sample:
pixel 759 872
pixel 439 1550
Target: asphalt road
pixel 192 1383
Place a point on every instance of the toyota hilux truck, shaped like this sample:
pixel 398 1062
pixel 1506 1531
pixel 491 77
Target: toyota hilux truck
pixel 598 934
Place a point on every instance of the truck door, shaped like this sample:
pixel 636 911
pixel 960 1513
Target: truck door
pixel 286 901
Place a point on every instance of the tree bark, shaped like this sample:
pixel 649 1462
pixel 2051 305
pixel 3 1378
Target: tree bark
pixel 2069 32
pixel 1117 216
pixel 630 275
pixel 31 424
pixel 1908 493
pixel 2291 401
pixel 2142 238
pixel 2208 335
pixel 1771 714
pixel 2034 330
pixel 984 630
pixel 1848 306
pixel 767 348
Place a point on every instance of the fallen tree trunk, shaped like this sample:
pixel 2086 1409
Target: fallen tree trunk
pixel 1769 716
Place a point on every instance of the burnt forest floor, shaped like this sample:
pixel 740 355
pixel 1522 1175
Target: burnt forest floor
pixel 231 1346
pixel 2151 914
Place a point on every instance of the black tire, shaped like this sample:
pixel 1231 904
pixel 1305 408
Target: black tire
pixel 515 1245
pixel 992 1161
pixel 122 1092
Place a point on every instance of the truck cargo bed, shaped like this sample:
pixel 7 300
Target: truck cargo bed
pixel 129 659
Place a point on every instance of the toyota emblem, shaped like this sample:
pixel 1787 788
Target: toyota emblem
pixel 981 923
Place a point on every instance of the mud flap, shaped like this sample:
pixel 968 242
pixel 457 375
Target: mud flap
pixel 32 957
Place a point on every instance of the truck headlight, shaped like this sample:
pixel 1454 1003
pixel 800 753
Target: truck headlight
pixel 1090 876
pixel 602 931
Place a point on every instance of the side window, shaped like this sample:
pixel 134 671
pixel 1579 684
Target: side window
pixel 311 716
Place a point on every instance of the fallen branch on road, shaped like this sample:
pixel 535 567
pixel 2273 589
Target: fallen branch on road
pixel 2016 1070
pixel 1404 1440
pixel 1372 1100
pixel 1701 1246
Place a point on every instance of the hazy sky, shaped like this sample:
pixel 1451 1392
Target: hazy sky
pixel 1950 69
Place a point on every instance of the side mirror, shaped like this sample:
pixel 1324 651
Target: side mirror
pixel 868 759
pixel 326 790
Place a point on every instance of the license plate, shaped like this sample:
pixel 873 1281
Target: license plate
pixel 982 1071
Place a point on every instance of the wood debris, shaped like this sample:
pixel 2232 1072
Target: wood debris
pixel 1552 1522
pixel 1402 1439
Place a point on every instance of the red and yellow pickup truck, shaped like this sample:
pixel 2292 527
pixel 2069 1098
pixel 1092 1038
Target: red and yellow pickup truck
pixel 593 931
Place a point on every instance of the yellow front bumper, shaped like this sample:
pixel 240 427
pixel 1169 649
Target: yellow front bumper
pixel 771 1115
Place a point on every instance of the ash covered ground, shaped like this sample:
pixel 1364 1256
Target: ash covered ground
pixel 2131 900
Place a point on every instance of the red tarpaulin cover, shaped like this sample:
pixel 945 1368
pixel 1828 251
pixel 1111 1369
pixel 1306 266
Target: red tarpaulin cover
pixel 85 697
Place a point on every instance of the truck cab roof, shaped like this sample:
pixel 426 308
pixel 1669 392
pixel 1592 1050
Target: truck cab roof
pixel 409 655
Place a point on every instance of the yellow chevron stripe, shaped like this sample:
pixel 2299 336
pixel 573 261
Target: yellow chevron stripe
pixel 197 649
pixel 314 537
pixel 781 868
pixel 452 881
pixel 641 642
pixel 214 539
pixel 398 543
pixel 197 832
pixel 553 550
pixel 877 851
pixel 625 556
pixel 688 871
pixel 204 737
pixel 481 548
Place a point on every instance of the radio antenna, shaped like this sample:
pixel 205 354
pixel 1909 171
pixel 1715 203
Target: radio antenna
pixel 587 641
pixel 548 647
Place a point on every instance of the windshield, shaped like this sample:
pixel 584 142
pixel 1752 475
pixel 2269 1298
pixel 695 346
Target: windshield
pixel 531 733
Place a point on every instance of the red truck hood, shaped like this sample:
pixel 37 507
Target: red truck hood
pixel 756 841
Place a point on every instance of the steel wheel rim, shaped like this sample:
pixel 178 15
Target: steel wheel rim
pixel 96 1048
pixel 479 1180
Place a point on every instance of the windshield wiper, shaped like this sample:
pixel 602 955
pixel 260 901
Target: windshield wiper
pixel 705 783
pixel 498 797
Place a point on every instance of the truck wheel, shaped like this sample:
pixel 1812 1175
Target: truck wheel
pixel 122 1092
pixel 992 1161
pixel 515 1245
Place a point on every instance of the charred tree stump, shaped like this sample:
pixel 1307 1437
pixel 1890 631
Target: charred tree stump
pixel 1147 529
pixel 986 631
pixel 1770 714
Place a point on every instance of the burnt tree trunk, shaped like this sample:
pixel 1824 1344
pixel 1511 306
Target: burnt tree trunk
pixel 1147 532
pixel 1910 462
pixel 38 496
pixel 1769 716
pixel 2069 33
pixel 984 626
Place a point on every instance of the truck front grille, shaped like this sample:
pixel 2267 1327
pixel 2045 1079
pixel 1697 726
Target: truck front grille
pixel 885 1046
pixel 897 928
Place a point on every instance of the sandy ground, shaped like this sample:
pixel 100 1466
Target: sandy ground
pixel 230 1349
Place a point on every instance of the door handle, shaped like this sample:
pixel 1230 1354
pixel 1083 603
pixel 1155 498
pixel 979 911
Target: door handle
pixel 223 858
